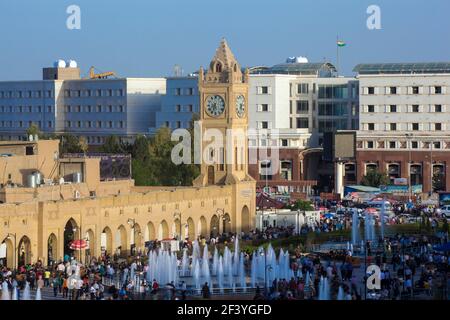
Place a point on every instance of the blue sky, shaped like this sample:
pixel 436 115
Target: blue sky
pixel 145 38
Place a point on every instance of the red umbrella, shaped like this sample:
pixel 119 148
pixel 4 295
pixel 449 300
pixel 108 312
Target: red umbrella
pixel 79 245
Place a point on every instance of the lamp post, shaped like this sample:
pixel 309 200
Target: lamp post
pixel 409 136
pixel 132 224
pixel 8 236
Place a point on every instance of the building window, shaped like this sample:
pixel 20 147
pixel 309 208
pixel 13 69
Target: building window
pixel 393 108
pixel 415 90
pixel 189 107
pixel 286 170
pixel 177 108
pixel 99 109
pixel 391 144
pixel 436 145
pixel 393 126
pixel 438 108
pixel 371 90
pixel 414 145
pixel 264 125
pixel 415 174
pixel 264 107
pixel 302 88
pixel 371 167
pixel 371 126
pixel 415 108
pixel 371 108
pixel 284 142
pixel 438 90
pixel 394 172
pixel 178 91
pixel 369 144
pixel 393 90
pixel 438 126
pixel 415 126
pixel 178 124
pixel 303 106
pixel 302 123
pixel 190 91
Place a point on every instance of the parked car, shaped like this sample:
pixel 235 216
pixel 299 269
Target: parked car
pixel 445 210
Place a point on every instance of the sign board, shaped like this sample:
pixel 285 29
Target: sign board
pixel 340 145
pixel 400 181
pixel 401 189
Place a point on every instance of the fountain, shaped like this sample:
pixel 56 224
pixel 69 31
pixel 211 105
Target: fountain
pixel 185 264
pixel 369 227
pixel 254 274
pixel 205 266
pixel 38 294
pixel 215 262
pixel 26 291
pixel 341 295
pixel 324 289
pixel 197 274
pixel 236 257
pixel 5 291
pixel 14 293
pixel 241 273
pixel 355 227
pixel 220 274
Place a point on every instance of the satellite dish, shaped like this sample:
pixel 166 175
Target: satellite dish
pixel 60 64
pixel 72 64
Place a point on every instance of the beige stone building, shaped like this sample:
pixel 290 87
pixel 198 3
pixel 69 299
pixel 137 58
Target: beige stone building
pixel 47 201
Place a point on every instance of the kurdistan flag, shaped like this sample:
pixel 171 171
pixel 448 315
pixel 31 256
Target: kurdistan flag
pixel 341 43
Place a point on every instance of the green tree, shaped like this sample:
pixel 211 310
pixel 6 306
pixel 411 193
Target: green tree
pixel 303 205
pixel 374 178
pixel 33 130
pixel 112 145
pixel 70 144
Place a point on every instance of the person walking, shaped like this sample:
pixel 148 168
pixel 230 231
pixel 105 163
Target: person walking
pixel 205 291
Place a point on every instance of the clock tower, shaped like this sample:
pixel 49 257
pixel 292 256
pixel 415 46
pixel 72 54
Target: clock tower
pixel 223 91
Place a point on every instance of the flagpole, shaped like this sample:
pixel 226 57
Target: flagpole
pixel 337 55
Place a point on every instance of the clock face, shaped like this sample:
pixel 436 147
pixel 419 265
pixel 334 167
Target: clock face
pixel 215 106
pixel 240 106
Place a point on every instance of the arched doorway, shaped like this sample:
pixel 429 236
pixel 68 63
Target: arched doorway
pixel 106 241
pixel 90 250
pixel 176 229
pixel 214 226
pixel 150 232
pixel 70 234
pixel 245 219
pixel 163 232
pixel 9 260
pixel 24 251
pixel 191 229
pixel 52 249
pixel 202 227
pixel 226 223
pixel 121 242
pixel 137 245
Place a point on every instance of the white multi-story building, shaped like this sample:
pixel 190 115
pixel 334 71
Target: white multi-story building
pixel 405 122
pixel 94 108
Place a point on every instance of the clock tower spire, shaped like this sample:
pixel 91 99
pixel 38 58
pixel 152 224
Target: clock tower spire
pixel 223 91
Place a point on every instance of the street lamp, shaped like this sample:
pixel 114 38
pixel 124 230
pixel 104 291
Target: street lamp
pixel 8 236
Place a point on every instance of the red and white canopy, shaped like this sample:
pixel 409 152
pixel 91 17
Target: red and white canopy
pixel 79 245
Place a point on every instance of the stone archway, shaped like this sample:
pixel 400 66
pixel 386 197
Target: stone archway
pixel 163 231
pixel 214 230
pixel 245 220
pixel 52 249
pixel 202 227
pixel 191 229
pixel 10 258
pixel 90 250
pixel 70 234
pixel 226 223
pixel 24 251
pixel 137 239
pixel 121 241
pixel 106 242
pixel 150 233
